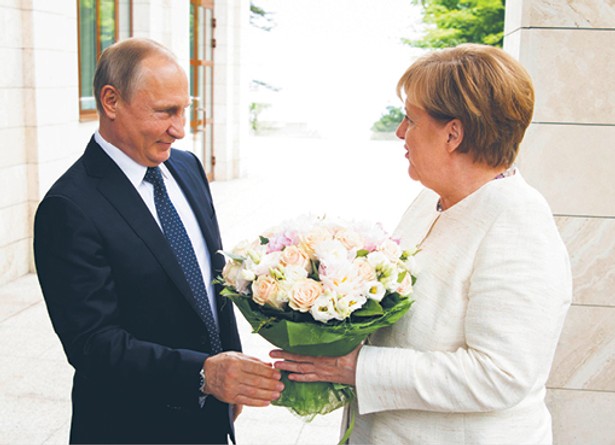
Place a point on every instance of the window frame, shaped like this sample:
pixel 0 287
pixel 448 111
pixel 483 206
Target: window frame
pixel 91 114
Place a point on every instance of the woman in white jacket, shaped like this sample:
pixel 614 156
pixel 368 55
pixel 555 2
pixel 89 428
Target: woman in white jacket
pixel 469 362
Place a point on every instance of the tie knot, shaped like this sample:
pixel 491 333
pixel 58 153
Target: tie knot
pixel 153 176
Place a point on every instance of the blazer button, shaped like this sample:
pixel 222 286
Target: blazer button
pixel 204 339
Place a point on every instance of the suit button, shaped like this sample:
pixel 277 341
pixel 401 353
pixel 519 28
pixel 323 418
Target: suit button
pixel 204 339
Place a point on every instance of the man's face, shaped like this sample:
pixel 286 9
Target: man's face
pixel 153 119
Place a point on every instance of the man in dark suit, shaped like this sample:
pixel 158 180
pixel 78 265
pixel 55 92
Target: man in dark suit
pixel 126 245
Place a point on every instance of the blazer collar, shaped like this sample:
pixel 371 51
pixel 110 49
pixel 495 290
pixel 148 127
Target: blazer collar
pixel 118 190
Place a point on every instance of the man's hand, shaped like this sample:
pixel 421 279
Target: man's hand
pixel 236 378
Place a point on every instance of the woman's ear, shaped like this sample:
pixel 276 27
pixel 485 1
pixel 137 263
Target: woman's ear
pixel 109 99
pixel 455 134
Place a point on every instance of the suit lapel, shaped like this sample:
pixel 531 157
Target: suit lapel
pixel 200 200
pixel 118 190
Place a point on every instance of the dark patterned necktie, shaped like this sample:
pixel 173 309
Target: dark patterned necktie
pixel 176 234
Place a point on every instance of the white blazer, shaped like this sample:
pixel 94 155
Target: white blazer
pixel 469 362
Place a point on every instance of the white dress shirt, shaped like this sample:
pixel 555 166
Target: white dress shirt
pixel 135 173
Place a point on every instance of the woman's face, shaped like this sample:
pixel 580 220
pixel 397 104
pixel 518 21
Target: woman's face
pixel 425 143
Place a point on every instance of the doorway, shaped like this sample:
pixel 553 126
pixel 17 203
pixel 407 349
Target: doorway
pixel 202 45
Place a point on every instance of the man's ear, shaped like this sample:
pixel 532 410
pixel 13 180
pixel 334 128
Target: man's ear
pixel 455 134
pixel 109 99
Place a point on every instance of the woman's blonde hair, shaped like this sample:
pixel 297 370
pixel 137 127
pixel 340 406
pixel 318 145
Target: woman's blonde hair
pixel 482 86
pixel 119 65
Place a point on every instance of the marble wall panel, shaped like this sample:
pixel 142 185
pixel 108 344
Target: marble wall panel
pixel 12 150
pixel 14 223
pixel 582 417
pixel 572 73
pixel 55 69
pixel 10 23
pixel 13 178
pixel 560 14
pixel 11 76
pixel 15 260
pixel 585 355
pixel 591 246
pixel 12 109
pixel 53 144
pixel 45 26
pixel 572 165
pixel 56 106
pixel 68 9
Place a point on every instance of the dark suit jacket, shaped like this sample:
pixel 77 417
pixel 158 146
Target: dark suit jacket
pixel 119 302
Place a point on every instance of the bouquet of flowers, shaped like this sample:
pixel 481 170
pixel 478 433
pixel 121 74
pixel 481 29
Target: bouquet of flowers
pixel 316 286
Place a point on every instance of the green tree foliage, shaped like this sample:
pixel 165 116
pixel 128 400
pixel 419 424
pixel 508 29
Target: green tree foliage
pixel 389 121
pixel 451 22
pixel 260 18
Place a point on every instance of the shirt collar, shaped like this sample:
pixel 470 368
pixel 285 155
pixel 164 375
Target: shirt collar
pixel 134 171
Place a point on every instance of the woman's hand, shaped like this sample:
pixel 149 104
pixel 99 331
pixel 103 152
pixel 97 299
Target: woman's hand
pixel 306 368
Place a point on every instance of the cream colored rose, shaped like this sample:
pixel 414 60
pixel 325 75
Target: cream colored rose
pixel 303 294
pixel 405 287
pixel 294 256
pixel 265 291
pixel 350 239
pixel 311 238
pixel 365 270
pixel 390 249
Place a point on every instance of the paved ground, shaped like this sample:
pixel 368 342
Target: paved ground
pixel 355 179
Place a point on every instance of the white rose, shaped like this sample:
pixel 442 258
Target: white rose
pixel 331 251
pixel 303 294
pixel 294 273
pixel 233 274
pixel 266 263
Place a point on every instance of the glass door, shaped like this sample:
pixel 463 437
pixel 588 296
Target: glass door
pixel 202 44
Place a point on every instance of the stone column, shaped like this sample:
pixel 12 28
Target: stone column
pixel 569 155
pixel 230 87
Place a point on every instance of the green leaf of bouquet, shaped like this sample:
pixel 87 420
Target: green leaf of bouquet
pixel 226 292
pixel 362 252
pixel 309 399
pixel 316 338
pixel 369 309
pixel 263 240
pixel 233 256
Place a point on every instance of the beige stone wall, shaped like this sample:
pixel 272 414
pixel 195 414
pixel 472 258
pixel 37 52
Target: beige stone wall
pixel 569 155
pixel 13 157
pixel 38 111
pixel 40 130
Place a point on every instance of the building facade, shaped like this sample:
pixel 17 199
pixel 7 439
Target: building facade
pixel 569 155
pixel 47 113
